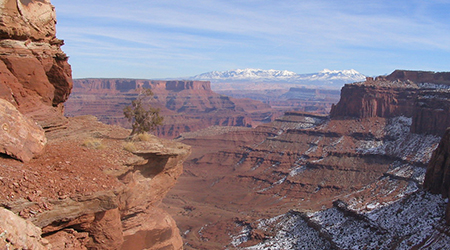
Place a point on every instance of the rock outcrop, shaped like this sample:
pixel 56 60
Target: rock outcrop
pixel 186 105
pixel 20 137
pixel 437 178
pixel 420 76
pixel 91 189
pixel 102 197
pixel 422 96
pixel 17 233
pixel 36 76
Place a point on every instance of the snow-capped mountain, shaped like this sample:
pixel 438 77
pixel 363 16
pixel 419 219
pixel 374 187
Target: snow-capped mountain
pixel 246 74
pixel 325 76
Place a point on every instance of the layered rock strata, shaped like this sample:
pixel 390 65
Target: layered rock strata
pixel 369 154
pixel 20 137
pixel 36 76
pixel 186 105
pixel 91 189
pixel 437 178
pixel 422 96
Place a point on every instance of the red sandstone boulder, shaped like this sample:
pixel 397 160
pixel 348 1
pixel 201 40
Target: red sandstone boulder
pixel 27 19
pixel 20 137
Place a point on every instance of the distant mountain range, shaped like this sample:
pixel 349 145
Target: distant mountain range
pixel 324 77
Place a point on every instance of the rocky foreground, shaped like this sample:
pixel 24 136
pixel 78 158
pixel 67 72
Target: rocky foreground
pixel 71 183
pixel 89 191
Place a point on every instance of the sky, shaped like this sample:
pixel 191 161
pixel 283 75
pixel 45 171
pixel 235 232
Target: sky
pixel 159 39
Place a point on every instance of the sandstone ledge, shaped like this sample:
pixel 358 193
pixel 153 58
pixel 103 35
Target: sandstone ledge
pixel 96 196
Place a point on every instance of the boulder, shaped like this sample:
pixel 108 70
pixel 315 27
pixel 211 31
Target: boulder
pixel 23 19
pixel 20 137
pixel 17 233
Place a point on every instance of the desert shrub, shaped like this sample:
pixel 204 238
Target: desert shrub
pixel 143 137
pixel 93 143
pixel 188 208
pixel 130 147
pixel 141 115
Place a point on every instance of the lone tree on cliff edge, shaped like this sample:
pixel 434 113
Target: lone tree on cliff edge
pixel 143 117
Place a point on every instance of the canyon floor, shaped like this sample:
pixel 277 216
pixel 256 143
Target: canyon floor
pixel 236 179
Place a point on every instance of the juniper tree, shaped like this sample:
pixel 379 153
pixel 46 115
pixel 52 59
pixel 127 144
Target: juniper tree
pixel 142 116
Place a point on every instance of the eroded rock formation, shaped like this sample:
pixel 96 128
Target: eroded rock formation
pixel 101 197
pixel 370 153
pixel 437 178
pixel 88 190
pixel 420 76
pixel 20 137
pixel 422 96
pixel 186 105
pixel 35 74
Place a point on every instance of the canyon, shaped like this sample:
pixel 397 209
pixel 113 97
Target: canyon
pixel 306 178
pixel 373 173
pixel 243 98
pixel 185 105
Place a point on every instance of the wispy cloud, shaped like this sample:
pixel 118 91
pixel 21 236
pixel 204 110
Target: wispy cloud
pixel 303 36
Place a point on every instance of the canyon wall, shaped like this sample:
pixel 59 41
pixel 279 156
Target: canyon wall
pixel 80 184
pixel 186 105
pixel 422 96
pixel 114 86
pixel 420 76
pixel 437 178
pixel 371 154
pixel 36 76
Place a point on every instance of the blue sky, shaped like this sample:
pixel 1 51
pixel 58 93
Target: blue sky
pixel 166 38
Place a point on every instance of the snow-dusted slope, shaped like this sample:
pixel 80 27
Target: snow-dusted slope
pixel 259 75
pixel 412 221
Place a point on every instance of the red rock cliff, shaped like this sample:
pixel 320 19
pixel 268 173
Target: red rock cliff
pixel 34 71
pixel 83 204
pixel 371 100
pixel 420 76
pixel 437 177
pixel 186 105
pixel 420 95
pixel 114 86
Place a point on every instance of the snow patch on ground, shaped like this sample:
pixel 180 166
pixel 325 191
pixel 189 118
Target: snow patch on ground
pixel 242 237
pixel 412 221
pixel 292 232
pixel 433 86
pixel 400 143
pixel 407 171
pixel 297 170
